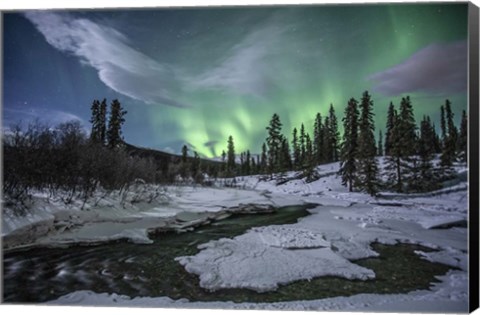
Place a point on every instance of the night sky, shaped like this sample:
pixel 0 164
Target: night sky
pixel 197 76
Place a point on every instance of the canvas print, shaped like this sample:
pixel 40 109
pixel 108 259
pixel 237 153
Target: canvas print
pixel 256 157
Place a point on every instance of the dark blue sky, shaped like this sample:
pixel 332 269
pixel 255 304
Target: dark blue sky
pixel 197 76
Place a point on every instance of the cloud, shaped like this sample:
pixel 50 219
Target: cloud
pixel 437 69
pixel 211 146
pixel 121 67
pixel 49 116
pixel 210 143
pixel 245 69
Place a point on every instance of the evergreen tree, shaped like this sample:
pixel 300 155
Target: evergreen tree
pixel 285 158
pixel 98 120
pixel 367 168
pixel 309 163
pixel 230 157
pixel 463 138
pixel 253 166
pixel 115 122
pixel 94 120
pixel 423 178
pixel 443 125
pixel 302 145
pixel 380 143
pixel 273 142
pixel 102 121
pixel 436 140
pixel 327 144
pixel 309 158
pixel 432 135
pixel 450 141
pixel 296 149
pixel 318 139
pixel 184 153
pixel 403 144
pixel 348 168
pixel 334 135
pixel 248 167
pixel 263 160
pixel 389 127
pixel 452 130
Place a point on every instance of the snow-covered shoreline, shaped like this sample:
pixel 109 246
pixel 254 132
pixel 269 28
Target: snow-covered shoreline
pixel 338 231
pixel 53 223
pixel 448 296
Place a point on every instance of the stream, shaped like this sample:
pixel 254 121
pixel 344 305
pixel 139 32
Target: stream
pixel 42 274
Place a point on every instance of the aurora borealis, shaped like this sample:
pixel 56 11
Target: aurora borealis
pixel 198 75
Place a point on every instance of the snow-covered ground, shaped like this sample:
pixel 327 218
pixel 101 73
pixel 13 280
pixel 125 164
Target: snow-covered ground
pixel 448 296
pixel 339 230
pixel 106 217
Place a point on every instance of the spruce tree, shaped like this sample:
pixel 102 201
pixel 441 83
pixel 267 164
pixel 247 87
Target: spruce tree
pixel 296 149
pixel 318 139
pixel 436 140
pixel 102 121
pixel 184 153
pixel 94 120
pixel 309 159
pixel 403 145
pixel 309 163
pixel 273 142
pixel 463 137
pixel 443 125
pixel 452 129
pixel 423 178
pixel 115 122
pixel 393 159
pixel 302 145
pixel 389 127
pixel 264 159
pixel 450 141
pixel 327 141
pixel 367 168
pixel 349 145
pixel 334 134
pixel 380 143
pixel 253 166
pixel 248 167
pixel 224 164
pixel 230 157
pixel 285 158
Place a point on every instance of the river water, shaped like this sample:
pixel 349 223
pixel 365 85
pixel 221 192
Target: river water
pixel 42 274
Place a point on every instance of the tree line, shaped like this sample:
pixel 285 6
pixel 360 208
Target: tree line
pixel 278 155
pixel 409 149
pixel 63 158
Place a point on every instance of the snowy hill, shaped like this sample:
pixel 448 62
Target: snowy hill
pixel 339 230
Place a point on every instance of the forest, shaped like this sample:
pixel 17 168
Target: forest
pixel 66 158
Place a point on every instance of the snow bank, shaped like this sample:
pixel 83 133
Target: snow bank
pixel 289 238
pixel 261 259
pixel 107 217
pixel 337 232
pixel 450 256
pixel 264 258
pixel 448 296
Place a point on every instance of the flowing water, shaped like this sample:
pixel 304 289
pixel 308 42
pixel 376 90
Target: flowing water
pixel 42 274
